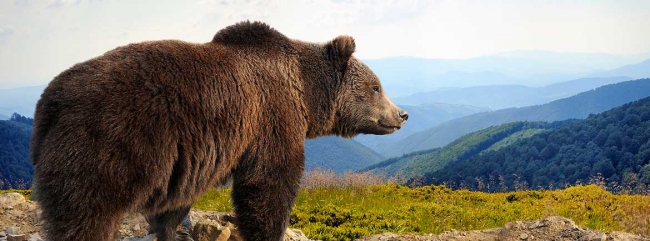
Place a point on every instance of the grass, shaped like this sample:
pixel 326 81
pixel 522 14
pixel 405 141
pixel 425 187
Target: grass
pixel 27 193
pixel 350 206
pixel 346 213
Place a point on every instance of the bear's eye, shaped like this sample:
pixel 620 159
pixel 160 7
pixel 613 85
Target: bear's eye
pixel 375 88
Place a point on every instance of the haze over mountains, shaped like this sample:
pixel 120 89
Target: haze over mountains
pixel 402 76
pixel 578 106
pixel 448 98
pixel 19 100
pixel 506 96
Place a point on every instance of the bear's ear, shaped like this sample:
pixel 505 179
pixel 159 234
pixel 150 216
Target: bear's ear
pixel 341 48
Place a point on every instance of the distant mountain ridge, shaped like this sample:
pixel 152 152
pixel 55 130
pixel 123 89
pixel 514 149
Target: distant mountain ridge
pixel 508 96
pixel 637 71
pixel 402 76
pixel 578 106
pixel 20 100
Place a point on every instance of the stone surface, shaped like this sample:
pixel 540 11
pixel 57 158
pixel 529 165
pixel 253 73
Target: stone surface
pixel 551 228
pixel 210 230
pixel 12 230
pixel 35 237
pixel 523 236
pixel 9 200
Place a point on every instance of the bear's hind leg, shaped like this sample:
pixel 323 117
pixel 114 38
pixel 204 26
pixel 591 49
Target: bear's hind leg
pixel 164 224
pixel 64 222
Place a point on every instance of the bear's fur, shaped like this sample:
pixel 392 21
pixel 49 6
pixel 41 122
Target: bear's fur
pixel 151 126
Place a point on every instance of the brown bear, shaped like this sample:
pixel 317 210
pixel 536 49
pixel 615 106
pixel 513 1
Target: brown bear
pixel 151 126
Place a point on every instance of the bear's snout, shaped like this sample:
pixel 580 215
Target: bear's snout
pixel 403 115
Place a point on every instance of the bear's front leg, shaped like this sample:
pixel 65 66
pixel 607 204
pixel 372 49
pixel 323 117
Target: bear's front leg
pixel 164 224
pixel 264 189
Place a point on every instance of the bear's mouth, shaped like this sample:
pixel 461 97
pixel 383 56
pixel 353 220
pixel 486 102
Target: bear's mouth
pixel 387 126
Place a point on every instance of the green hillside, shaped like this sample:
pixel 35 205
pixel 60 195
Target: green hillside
pixel 15 168
pixel 338 154
pixel 416 164
pixel 612 148
pixel 578 106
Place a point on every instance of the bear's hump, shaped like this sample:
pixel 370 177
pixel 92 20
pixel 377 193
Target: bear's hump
pixel 250 34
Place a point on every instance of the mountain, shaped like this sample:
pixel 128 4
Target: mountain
pixel 638 70
pixel 402 76
pixel 338 154
pixel 507 96
pixel 20 100
pixel 416 164
pixel 421 117
pixel 611 149
pixel 578 106
pixel 15 167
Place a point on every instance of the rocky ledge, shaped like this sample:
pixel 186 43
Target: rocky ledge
pixel 20 221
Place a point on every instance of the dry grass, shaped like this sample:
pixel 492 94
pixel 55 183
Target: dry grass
pixel 329 179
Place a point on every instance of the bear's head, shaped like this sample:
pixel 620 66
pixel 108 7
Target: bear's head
pixel 362 106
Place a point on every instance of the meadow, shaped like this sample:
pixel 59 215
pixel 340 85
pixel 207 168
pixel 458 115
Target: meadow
pixel 349 206
pixel 331 207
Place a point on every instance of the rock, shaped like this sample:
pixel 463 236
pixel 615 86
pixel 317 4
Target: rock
pixel 187 222
pixel 150 237
pixel 2 234
pixel 9 200
pixel 16 237
pixel 12 230
pixel 523 236
pixel 136 227
pixel 294 235
pixel 35 237
pixel 599 237
pixel 622 236
pixel 38 218
pixel 210 230
pixel 537 224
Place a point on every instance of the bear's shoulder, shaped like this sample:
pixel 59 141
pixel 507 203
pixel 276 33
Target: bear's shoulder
pixel 250 34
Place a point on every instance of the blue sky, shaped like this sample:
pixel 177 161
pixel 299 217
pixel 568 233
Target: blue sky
pixel 39 39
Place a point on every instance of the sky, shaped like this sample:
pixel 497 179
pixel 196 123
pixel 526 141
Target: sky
pixel 41 38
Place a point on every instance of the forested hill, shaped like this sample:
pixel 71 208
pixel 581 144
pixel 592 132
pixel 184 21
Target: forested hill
pixel 338 154
pixel 578 106
pixel 417 164
pixel 15 168
pixel 612 148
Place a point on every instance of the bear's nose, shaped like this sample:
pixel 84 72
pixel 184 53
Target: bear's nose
pixel 402 114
